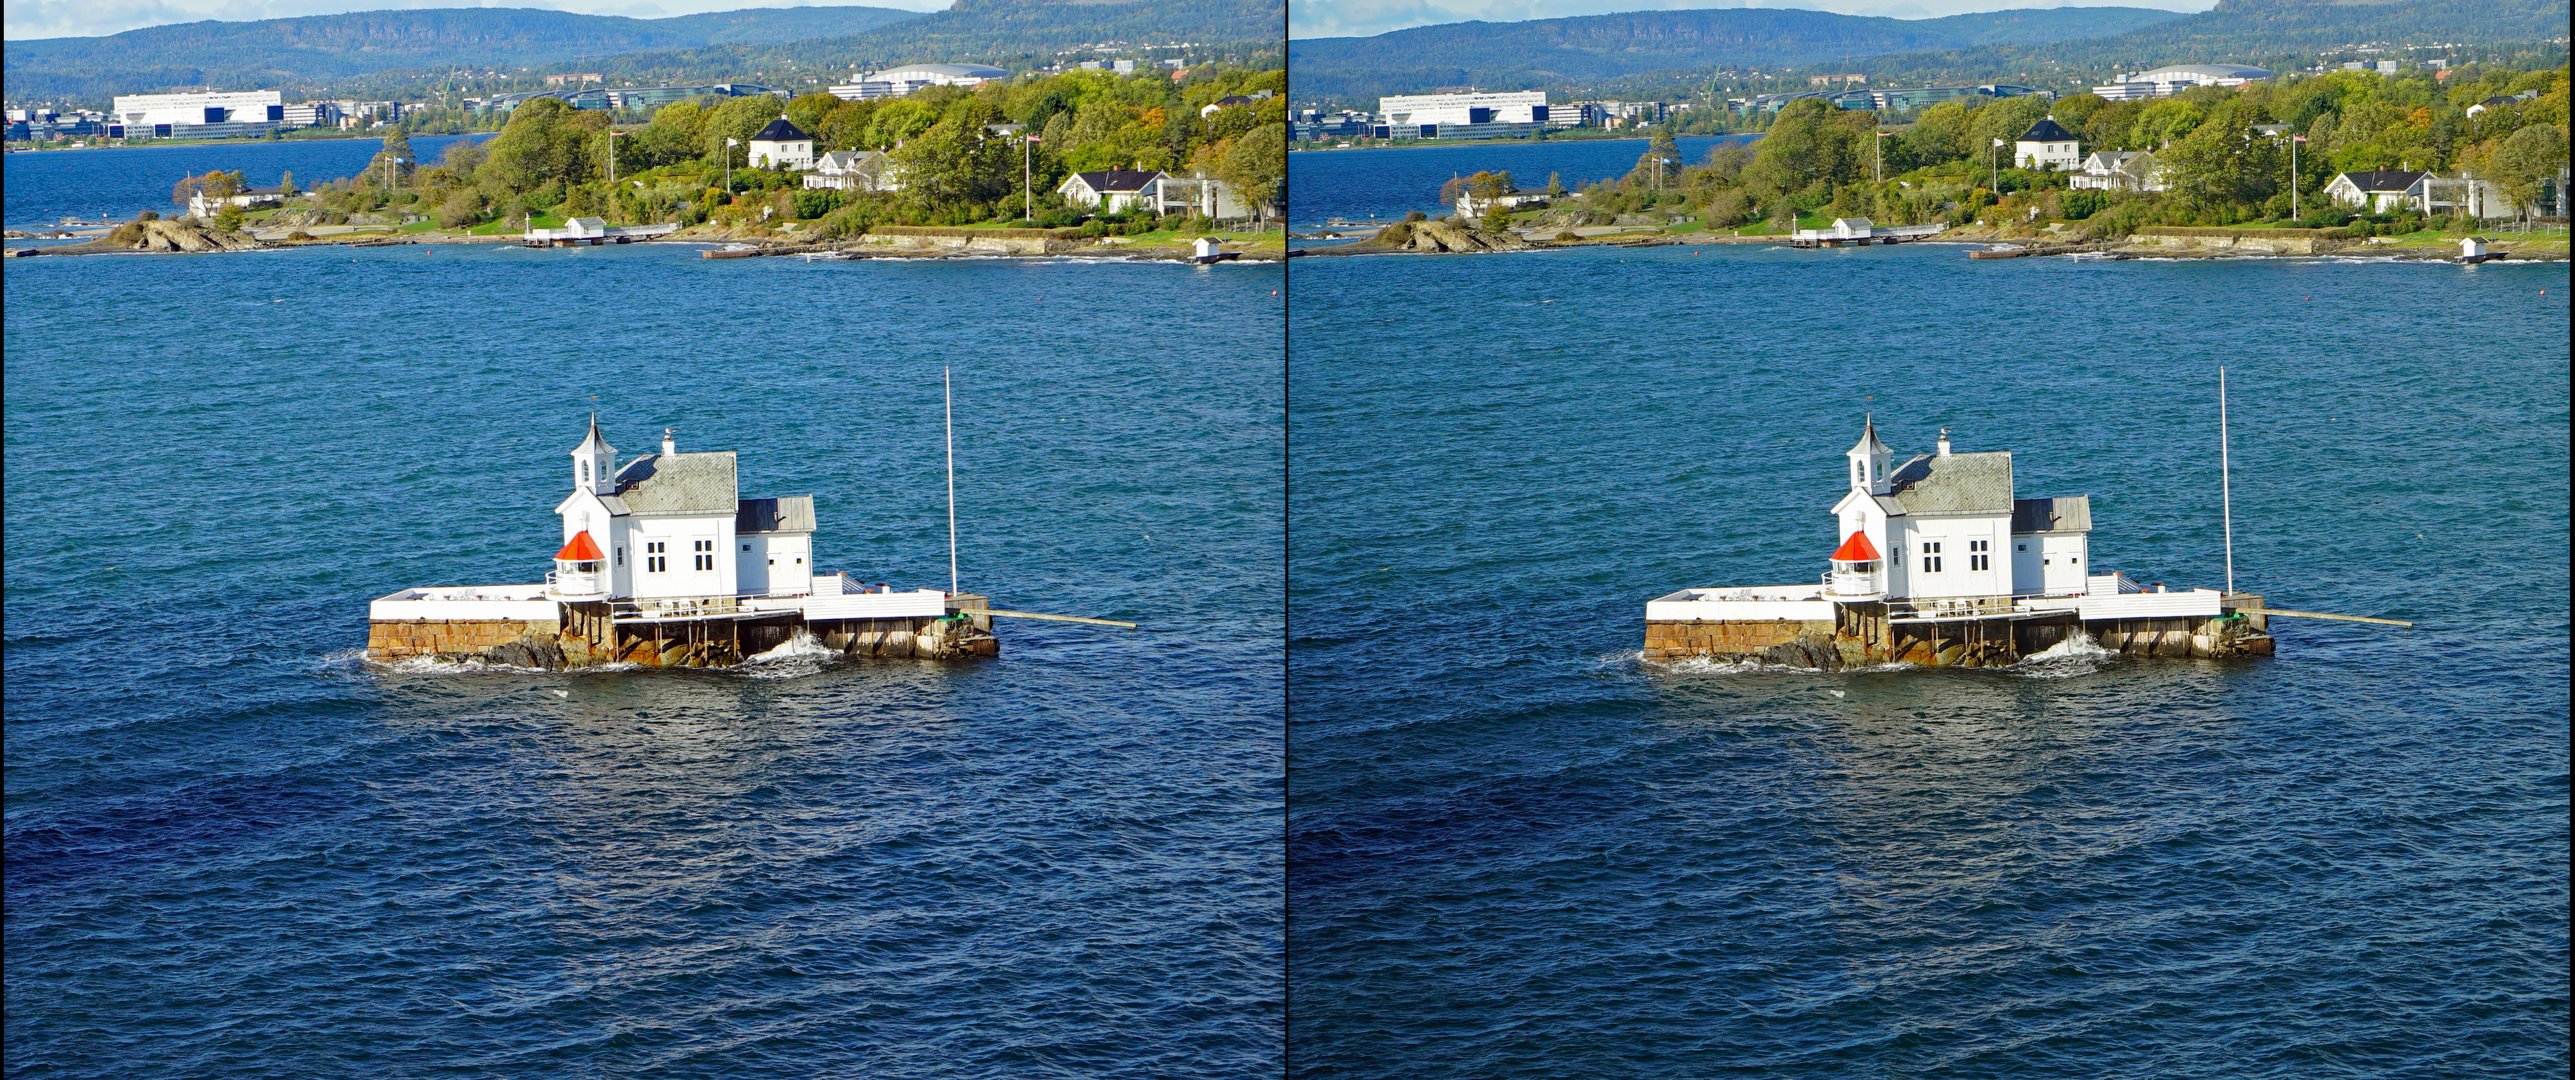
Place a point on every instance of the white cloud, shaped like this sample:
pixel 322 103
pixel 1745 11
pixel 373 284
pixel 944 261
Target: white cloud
pixel 1338 18
pixel 25 19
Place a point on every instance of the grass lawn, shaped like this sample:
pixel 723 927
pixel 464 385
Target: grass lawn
pixel 1687 228
pixel 547 220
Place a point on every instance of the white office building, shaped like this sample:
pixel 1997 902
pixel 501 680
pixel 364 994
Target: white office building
pixel 1413 111
pixel 2167 81
pixel 910 79
pixel 200 107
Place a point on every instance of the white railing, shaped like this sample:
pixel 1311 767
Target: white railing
pixel 668 607
pixel 1955 607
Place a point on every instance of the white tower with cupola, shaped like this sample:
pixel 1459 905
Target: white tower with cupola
pixel 1869 461
pixel 594 463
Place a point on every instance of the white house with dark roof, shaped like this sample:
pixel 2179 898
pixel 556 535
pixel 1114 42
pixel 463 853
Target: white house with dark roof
pixel 781 145
pixel 2118 170
pixel 2047 145
pixel 2375 191
pixel 675 525
pixel 1112 190
pixel 1946 524
pixel 855 170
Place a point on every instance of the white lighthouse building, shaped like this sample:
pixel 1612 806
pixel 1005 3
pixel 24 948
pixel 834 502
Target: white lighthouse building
pixel 1937 562
pixel 663 562
pixel 1945 525
pixel 673 525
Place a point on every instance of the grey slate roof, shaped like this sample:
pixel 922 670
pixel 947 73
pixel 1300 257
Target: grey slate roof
pixel 779 130
pixel 2384 179
pixel 793 513
pixel 1962 483
pixel 699 483
pixel 1107 181
pixel 2062 514
pixel 2047 130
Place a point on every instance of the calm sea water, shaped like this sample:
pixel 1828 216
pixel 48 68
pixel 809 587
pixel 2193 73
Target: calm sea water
pixel 1515 851
pixel 234 849
pixel 1384 184
pixel 43 188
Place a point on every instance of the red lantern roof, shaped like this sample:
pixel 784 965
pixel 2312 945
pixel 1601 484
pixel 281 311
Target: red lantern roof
pixel 583 549
pixel 1855 549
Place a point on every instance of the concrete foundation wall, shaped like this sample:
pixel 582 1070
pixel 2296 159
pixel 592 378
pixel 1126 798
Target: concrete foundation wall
pixel 453 639
pixel 1861 634
pixel 1725 640
pixel 586 635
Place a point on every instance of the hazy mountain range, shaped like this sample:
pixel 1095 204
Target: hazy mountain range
pixel 392 50
pixel 1675 49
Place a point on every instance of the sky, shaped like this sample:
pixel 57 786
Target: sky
pixel 92 18
pixel 1338 18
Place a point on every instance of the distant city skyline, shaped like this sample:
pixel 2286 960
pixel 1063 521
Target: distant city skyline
pixel 1361 18
pixel 27 19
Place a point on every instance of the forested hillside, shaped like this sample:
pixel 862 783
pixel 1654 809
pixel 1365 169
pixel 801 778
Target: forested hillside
pixel 410 53
pixel 1668 53
pixel 2277 34
pixel 1593 49
pixel 322 48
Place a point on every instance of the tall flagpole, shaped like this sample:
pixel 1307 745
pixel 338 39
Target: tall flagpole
pixel 949 407
pixel 2225 483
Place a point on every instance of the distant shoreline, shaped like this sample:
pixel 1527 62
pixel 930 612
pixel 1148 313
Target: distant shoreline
pixel 1440 144
pixel 196 144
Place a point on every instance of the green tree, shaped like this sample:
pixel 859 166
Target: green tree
pixel 737 119
pixel 1255 166
pixel 2164 121
pixel 954 168
pixel 547 141
pixel 2527 162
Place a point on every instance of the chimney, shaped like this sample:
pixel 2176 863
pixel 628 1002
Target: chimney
pixel 1944 443
pixel 669 447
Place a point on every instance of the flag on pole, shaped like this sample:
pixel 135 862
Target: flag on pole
pixel 2297 138
pixel 1998 144
pixel 1034 138
pixel 1884 134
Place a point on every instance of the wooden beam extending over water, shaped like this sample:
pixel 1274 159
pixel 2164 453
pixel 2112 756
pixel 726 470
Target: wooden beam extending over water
pixel 2322 615
pixel 1000 614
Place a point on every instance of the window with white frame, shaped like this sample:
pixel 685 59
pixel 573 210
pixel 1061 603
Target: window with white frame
pixel 654 560
pixel 1978 557
pixel 1931 556
pixel 705 558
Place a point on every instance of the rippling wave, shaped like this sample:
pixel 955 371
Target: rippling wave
pixel 1516 851
pixel 236 848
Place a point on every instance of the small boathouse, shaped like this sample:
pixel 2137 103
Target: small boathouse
pixel 592 232
pixel 1860 232
pixel 662 563
pixel 1940 564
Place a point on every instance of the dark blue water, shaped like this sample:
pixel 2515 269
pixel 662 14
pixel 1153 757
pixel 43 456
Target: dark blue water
pixel 42 189
pixel 233 849
pixel 1384 184
pixel 1516 852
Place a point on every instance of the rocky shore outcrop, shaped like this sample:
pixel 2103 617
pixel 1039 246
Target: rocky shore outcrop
pixel 1439 235
pixel 157 234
